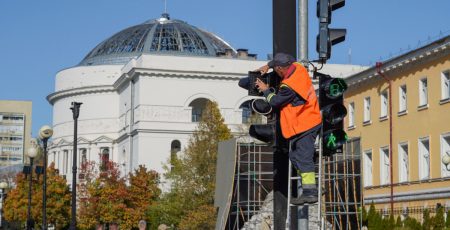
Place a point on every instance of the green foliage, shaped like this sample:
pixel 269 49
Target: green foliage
pixel 390 223
pixel 192 176
pixel 411 224
pixel 438 220
pixel 427 221
pixel 398 223
pixel 447 222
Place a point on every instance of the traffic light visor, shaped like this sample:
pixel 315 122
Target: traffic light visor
pixel 334 113
pixel 264 133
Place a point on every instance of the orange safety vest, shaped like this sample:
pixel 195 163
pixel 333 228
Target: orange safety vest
pixel 297 119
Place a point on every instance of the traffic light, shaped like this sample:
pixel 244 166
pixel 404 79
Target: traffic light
pixel 328 37
pixel 331 102
pixel 262 132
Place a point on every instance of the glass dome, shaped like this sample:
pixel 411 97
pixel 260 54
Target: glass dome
pixel 158 36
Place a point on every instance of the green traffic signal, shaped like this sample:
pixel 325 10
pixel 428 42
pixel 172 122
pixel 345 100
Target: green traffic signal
pixel 334 139
pixel 336 88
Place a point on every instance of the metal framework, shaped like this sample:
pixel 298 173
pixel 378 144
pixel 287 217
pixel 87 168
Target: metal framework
pixel 253 181
pixel 341 179
pixel 158 36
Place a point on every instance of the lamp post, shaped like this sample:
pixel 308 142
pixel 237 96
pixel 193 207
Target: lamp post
pixel 32 152
pixel 44 134
pixel 75 112
pixel 3 186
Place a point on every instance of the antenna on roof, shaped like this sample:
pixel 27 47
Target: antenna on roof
pixel 165 6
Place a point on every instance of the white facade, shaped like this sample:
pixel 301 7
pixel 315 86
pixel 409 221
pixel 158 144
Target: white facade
pixel 133 113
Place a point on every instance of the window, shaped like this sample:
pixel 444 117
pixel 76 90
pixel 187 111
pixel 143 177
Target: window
pixel 246 112
pixel 104 158
pixel 65 161
pixel 445 85
pixel 366 109
pixel 424 158
pixel 384 166
pixel 403 160
pixel 423 92
pixel 368 168
pixel 198 105
pixel 384 104
pixel 402 99
pixel 83 154
pixel 351 114
pixel 445 150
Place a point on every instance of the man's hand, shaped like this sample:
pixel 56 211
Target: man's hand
pixel 261 85
pixel 263 69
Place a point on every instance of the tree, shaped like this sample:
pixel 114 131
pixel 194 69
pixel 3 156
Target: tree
pixel 58 200
pixel 438 220
pixel 398 223
pixel 427 222
pixel 447 222
pixel 192 175
pixel 105 197
pixel 143 192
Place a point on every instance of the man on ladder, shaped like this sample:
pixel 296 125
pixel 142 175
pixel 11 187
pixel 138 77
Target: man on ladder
pixel 300 118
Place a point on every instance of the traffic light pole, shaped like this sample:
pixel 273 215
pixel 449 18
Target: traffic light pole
pixel 302 210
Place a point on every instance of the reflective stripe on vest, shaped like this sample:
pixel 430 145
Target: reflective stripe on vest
pixel 297 119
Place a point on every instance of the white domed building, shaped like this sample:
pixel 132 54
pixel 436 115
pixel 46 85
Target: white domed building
pixel 143 90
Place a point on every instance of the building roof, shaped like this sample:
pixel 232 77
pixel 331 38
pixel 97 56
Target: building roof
pixel 429 52
pixel 157 36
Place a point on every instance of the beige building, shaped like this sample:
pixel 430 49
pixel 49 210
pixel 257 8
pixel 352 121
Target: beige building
pixel 420 128
pixel 15 131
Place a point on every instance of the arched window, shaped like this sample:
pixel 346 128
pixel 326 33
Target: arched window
pixel 175 146
pixel 246 112
pixel 198 105
pixel 104 158
pixel 248 115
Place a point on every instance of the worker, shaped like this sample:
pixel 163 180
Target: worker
pixel 300 118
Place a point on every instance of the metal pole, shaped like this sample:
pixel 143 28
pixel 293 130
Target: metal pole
pixel 303 31
pixel 303 210
pixel 75 112
pixel 44 188
pixel 29 219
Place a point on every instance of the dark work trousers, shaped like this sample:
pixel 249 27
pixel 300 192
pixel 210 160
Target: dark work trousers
pixel 302 149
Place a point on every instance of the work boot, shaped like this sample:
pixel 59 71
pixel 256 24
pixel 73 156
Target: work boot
pixel 309 196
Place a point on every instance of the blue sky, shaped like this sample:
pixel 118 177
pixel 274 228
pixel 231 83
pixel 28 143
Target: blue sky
pixel 40 38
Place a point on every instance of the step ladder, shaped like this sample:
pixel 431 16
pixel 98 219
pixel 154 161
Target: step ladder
pixel 291 178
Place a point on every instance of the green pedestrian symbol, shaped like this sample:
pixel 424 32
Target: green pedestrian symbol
pixel 331 141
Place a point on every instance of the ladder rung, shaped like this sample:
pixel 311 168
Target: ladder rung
pixel 296 177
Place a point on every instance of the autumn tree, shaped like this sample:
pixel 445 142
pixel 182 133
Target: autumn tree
pixel 192 176
pixel 58 200
pixel 143 192
pixel 106 198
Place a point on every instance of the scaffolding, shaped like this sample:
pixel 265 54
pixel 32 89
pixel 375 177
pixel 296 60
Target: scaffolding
pixel 341 180
pixel 252 182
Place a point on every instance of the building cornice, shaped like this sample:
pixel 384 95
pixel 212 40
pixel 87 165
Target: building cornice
pixel 428 53
pixel 78 91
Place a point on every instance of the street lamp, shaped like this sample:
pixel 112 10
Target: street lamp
pixel 3 186
pixel 44 134
pixel 75 114
pixel 32 152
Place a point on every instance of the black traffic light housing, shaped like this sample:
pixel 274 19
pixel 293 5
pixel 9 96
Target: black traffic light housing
pixel 328 37
pixel 331 102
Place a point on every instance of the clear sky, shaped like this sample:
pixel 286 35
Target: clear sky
pixel 40 38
